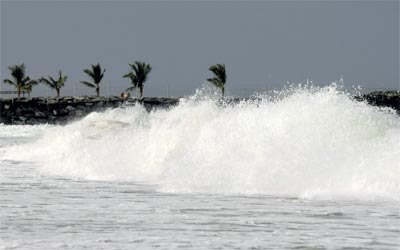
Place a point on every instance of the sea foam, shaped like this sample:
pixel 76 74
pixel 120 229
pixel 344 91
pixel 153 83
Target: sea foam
pixel 307 142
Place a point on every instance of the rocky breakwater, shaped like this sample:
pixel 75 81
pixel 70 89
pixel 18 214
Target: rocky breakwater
pixel 389 99
pixel 42 110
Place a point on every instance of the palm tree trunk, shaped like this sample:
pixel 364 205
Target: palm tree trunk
pixel 223 91
pixel 141 92
pixel 18 91
pixel 58 92
pixel 97 90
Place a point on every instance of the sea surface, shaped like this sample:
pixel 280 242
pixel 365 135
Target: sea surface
pixel 307 169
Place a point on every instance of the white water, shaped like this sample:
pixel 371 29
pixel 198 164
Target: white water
pixel 314 143
pixel 311 170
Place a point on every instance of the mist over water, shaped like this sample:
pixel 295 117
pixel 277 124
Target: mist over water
pixel 307 142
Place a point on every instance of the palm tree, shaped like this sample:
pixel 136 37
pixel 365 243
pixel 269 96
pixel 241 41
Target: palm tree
pixel 138 75
pixel 220 77
pixel 55 84
pixel 96 74
pixel 21 81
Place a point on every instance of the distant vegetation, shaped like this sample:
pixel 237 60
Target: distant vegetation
pixel 220 77
pixel 55 84
pixel 96 74
pixel 138 75
pixel 20 81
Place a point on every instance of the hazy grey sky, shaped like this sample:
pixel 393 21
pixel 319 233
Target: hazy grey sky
pixel 264 44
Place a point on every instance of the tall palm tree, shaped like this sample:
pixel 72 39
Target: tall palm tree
pixel 220 77
pixel 21 81
pixel 96 74
pixel 138 75
pixel 55 84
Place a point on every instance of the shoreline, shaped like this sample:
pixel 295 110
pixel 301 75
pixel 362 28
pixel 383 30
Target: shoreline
pixel 53 110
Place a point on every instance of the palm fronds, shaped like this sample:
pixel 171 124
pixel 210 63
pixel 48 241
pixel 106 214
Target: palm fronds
pixel 53 83
pixel 8 81
pixel 89 84
pixel 219 79
pixel 96 73
pixel 21 81
pixel 138 75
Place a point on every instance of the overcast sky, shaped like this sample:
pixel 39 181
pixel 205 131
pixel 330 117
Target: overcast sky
pixel 264 44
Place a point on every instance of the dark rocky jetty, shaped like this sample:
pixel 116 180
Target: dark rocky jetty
pixel 389 99
pixel 42 110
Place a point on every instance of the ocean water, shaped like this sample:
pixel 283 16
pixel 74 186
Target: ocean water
pixel 307 169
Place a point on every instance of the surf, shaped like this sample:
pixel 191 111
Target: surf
pixel 305 141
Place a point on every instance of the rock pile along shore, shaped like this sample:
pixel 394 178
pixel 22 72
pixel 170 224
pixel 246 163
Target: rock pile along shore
pixel 389 99
pixel 42 110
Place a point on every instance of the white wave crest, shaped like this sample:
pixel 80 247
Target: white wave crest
pixel 312 143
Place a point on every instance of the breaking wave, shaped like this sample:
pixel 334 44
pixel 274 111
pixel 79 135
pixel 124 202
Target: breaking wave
pixel 305 142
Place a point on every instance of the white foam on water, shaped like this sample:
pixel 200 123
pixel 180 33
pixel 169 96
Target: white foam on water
pixel 310 143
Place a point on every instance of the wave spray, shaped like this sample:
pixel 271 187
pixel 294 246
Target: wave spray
pixel 309 143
